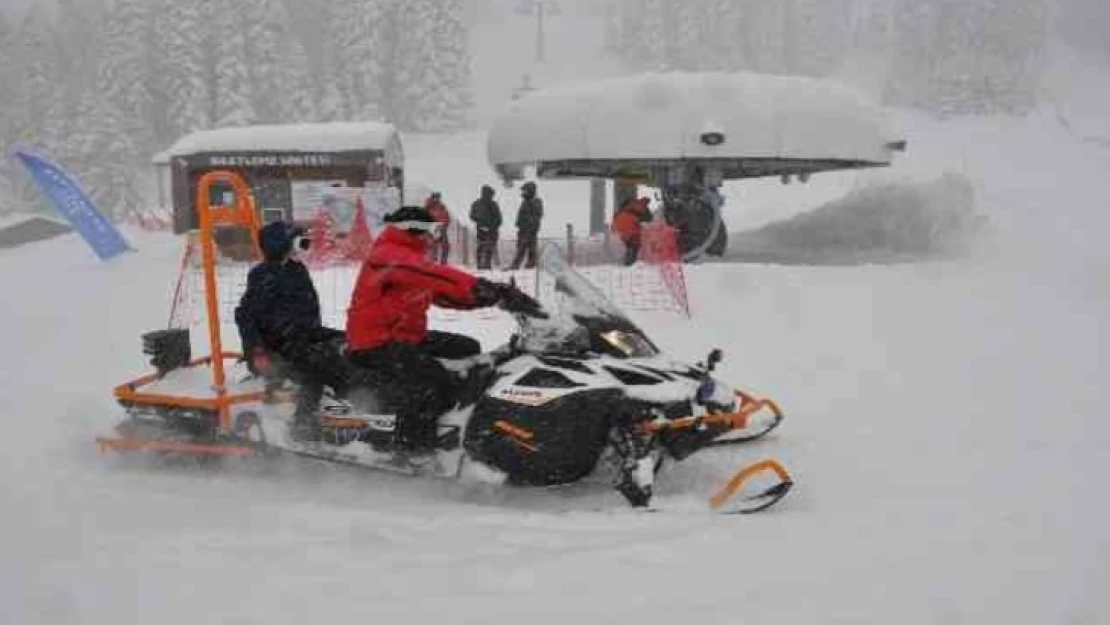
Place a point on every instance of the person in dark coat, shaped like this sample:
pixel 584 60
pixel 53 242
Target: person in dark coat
pixel 486 215
pixel 281 330
pixel 528 220
pixel 387 324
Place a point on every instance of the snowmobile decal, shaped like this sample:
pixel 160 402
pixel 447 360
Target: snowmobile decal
pixel 519 435
pixel 527 398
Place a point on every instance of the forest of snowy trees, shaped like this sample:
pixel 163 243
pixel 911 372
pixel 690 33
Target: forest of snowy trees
pixel 946 56
pixel 101 85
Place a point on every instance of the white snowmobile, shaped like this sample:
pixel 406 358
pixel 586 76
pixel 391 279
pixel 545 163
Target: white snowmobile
pixel 582 394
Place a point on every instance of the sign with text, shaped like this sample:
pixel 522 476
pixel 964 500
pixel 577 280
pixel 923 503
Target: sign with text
pixel 271 160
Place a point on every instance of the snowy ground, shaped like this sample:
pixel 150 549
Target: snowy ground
pixel 945 422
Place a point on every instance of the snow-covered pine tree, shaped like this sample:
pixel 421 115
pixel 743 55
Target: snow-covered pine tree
pixel 1012 57
pixel 230 92
pixel 642 32
pixel 612 36
pixel 185 67
pixel 453 98
pixel 409 77
pixel 33 87
pixel 682 25
pixel 724 44
pixel 956 57
pixel 6 172
pixel 7 77
pixel 108 156
pixel 359 30
pixel 35 84
pixel 915 58
pixel 822 30
pixel 299 101
pixel 315 30
pixel 123 75
pixel 274 62
pixel 78 43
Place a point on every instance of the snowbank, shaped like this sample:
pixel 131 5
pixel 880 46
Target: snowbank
pixel 14 219
pixel 875 223
pixel 664 116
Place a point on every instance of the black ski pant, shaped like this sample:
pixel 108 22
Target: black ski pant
pixel 313 361
pixel 408 379
pixel 487 247
pixel 631 250
pixel 526 243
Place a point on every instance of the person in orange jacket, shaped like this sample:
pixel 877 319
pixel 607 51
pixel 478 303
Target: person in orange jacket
pixel 441 248
pixel 628 224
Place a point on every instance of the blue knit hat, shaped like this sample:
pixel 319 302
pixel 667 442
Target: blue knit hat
pixel 276 239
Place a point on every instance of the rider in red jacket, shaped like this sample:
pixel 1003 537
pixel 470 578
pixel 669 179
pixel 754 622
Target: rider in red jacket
pixel 387 323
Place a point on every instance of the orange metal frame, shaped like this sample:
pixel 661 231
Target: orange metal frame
pixel 734 420
pixel 242 214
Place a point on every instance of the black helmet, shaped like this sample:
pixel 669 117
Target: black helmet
pixel 487 191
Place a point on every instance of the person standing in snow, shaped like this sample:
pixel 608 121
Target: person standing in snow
pixel 486 215
pixel 441 249
pixel 281 330
pixel 628 225
pixel 387 324
pixel 528 219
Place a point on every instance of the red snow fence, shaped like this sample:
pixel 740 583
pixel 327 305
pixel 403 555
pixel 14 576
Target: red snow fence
pixel 655 283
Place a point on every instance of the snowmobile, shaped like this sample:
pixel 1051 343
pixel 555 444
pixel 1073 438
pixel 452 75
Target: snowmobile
pixel 561 402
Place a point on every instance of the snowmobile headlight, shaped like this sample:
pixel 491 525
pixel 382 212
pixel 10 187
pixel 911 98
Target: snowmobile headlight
pixel 628 343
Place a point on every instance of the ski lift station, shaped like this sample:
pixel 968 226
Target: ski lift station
pixel 662 129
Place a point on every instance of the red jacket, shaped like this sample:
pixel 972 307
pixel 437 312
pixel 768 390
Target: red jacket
pixel 627 222
pixel 438 211
pixel 396 286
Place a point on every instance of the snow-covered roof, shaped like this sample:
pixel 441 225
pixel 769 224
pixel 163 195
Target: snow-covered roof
pixel 665 116
pixel 319 137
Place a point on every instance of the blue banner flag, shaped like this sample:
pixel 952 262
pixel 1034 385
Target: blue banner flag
pixel 71 201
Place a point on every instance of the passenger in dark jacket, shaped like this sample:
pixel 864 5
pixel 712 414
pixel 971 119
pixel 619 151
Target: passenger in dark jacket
pixel 528 219
pixel 280 326
pixel 486 215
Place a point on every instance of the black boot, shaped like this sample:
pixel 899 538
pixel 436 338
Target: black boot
pixel 306 421
pixel 637 468
pixel 306 429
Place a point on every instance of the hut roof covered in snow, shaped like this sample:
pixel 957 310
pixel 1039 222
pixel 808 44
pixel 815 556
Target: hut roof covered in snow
pixel 315 137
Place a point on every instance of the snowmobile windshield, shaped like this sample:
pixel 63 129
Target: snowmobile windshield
pixel 585 320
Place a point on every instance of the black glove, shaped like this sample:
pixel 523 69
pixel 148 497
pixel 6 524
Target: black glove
pixel 516 301
pixel 486 293
pixel 508 297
